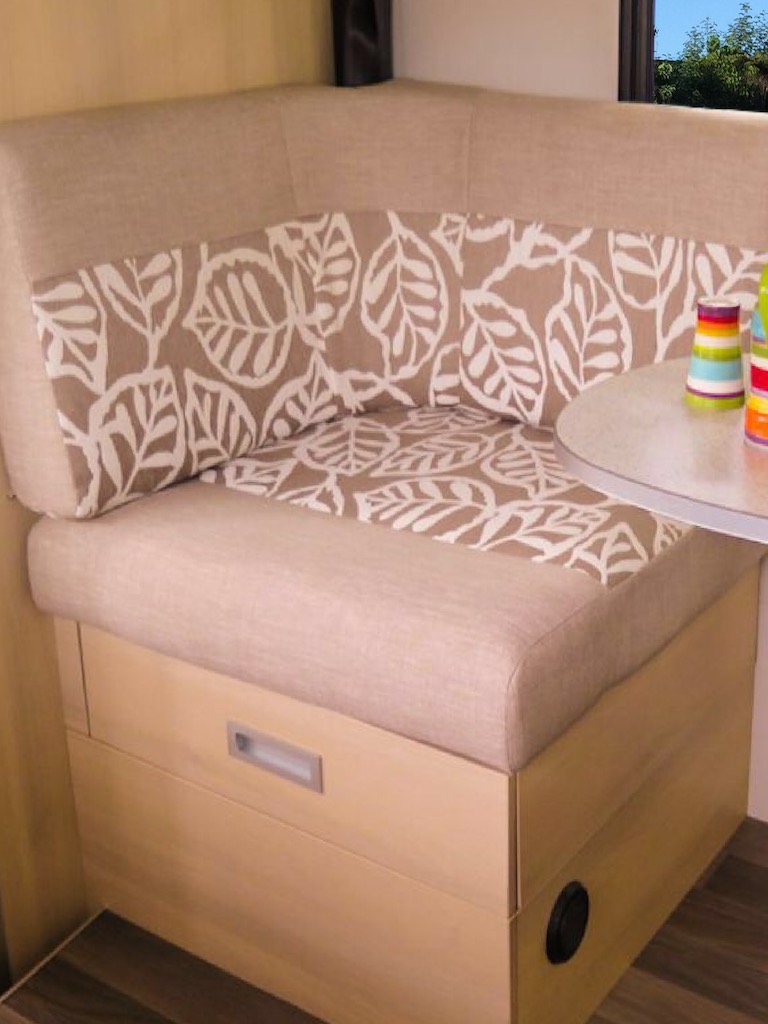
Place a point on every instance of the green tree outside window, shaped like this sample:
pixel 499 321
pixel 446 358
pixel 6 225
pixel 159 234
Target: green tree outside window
pixel 722 69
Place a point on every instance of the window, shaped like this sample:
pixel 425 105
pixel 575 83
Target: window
pixel 711 53
pixel 636 72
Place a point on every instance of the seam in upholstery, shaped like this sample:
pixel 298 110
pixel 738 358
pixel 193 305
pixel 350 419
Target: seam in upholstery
pixel 470 151
pixel 280 102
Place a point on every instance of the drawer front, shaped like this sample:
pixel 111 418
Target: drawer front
pixel 334 933
pixel 433 817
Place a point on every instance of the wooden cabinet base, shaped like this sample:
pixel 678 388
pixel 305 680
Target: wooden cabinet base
pixel 353 925
pixel 333 933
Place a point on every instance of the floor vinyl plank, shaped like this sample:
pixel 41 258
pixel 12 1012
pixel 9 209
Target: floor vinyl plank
pixel 642 998
pixel 63 994
pixel 743 882
pixel 707 965
pixel 170 981
pixel 9 1016
pixel 750 842
pixel 682 958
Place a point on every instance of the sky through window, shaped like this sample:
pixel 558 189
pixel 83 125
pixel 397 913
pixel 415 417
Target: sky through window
pixel 674 19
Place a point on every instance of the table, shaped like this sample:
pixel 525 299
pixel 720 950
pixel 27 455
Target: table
pixel 634 437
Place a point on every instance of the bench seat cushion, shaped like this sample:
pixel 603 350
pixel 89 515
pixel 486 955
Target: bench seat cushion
pixel 458 475
pixel 489 649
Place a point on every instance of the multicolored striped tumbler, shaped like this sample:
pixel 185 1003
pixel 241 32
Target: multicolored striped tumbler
pixel 716 372
pixel 756 413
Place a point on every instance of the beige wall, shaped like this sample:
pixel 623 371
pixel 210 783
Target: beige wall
pixel 554 47
pixel 60 55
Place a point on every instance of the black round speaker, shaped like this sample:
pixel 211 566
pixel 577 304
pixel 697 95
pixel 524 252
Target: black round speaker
pixel 567 923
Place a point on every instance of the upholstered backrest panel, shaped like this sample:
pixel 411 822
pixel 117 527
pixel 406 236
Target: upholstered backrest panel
pixel 166 364
pixel 635 166
pixel 386 148
pixel 78 190
pixel 550 310
pixel 140 188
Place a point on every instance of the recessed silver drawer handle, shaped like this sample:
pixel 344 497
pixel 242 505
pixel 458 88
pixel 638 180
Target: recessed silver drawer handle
pixel 289 762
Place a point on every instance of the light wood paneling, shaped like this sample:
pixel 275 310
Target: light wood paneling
pixel 57 55
pixel 69 655
pixel 61 55
pixel 40 872
pixel 574 787
pixel 332 932
pixel 639 866
pixel 431 816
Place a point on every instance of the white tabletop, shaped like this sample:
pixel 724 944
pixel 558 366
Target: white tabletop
pixel 634 437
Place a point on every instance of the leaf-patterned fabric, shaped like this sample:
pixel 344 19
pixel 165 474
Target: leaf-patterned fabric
pixel 165 365
pixel 551 310
pixel 458 475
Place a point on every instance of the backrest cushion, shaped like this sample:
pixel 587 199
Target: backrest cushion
pixel 549 310
pixel 144 223
pixel 166 364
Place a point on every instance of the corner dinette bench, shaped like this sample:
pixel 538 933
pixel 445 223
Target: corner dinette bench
pixel 357 679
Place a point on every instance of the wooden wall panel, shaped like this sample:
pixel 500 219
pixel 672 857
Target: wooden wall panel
pixel 40 871
pixel 60 55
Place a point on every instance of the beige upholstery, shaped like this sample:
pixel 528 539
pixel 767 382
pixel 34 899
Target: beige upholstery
pixel 166 364
pixel 483 654
pixel 83 189
pixel 463 477
pixel 508 252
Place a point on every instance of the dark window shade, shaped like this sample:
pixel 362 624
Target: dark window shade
pixel 636 50
pixel 362 41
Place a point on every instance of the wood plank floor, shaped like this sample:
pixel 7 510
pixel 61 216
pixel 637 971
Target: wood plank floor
pixel 707 965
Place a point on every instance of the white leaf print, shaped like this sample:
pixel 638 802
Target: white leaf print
pixel 138 428
pixel 405 300
pixel 444 381
pixel 463 417
pixel 528 461
pixel 145 294
pixel 243 316
pixel 220 425
pixel 550 527
pixel 445 508
pixel 668 532
pixel 71 325
pixel 736 273
pixel 347 448
pixel 516 245
pixel 502 362
pixel 449 234
pixel 256 474
pixel 708 269
pixel 355 389
pixel 611 554
pixel 321 497
pixel 325 271
pixel 588 335
pixel 301 402
pixel 646 268
pixel 482 228
pixel 441 453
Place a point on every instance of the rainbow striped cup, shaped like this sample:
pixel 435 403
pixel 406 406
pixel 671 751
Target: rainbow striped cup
pixel 756 412
pixel 716 371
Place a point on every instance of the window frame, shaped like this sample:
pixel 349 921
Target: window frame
pixel 636 50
